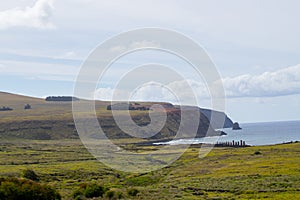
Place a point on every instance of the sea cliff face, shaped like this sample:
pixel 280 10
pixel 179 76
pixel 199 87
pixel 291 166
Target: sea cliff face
pixel 170 128
pixel 218 118
pixel 47 127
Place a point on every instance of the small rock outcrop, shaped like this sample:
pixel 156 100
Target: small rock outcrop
pixel 236 126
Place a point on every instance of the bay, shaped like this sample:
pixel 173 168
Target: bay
pixel 255 134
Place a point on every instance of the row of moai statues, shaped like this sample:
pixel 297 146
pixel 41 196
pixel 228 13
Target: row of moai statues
pixel 232 143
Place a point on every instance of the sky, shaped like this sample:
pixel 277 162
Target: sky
pixel 254 44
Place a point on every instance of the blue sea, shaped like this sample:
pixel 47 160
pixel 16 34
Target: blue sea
pixel 266 133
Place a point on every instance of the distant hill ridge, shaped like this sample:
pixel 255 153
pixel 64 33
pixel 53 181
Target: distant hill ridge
pixel 54 120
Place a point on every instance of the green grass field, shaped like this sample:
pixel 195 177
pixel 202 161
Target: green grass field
pixel 226 173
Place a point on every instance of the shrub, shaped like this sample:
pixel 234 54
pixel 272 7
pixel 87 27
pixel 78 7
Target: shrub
pixel 110 194
pixel 89 191
pixel 30 174
pixel 5 108
pixel 14 189
pixel 132 192
pixel 257 153
pixel 119 195
pixel 93 190
pixel 114 194
pixel 61 98
pixel 27 107
pixel 77 194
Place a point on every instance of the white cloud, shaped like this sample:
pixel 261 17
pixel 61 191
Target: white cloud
pixel 268 84
pixel 135 45
pixel 145 43
pixel 118 48
pixel 103 93
pixel 36 16
pixel 109 94
pixel 237 22
pixel 277 83
pixel 175 92
pixel 153 91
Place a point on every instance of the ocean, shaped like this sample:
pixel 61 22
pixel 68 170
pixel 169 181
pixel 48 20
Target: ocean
pixel 255 134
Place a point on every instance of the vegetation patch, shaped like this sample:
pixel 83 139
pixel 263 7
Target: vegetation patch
pixel 89 191
pixel 30 174
pixel 16 189
pixel 132 192
pixel 225 173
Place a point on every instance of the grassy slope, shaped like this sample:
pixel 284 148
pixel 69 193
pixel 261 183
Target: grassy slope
pixel 40 108
pixel 54 120
pixel 226 173
pixel 46 110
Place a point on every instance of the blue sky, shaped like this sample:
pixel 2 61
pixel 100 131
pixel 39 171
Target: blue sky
pixel 254 44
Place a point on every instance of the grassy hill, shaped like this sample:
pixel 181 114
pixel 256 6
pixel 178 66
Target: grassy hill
pixel 54 119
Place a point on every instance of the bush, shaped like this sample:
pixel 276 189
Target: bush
pixel 110 194
pixel 114 194
pixel 93 190
pixel 78 194
pixel 30 174
pixel 15 189
pixel 89 191
pixel 257 153
pixel 132 192
pixel 61 98
pixel 27 107
pixel 5 108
